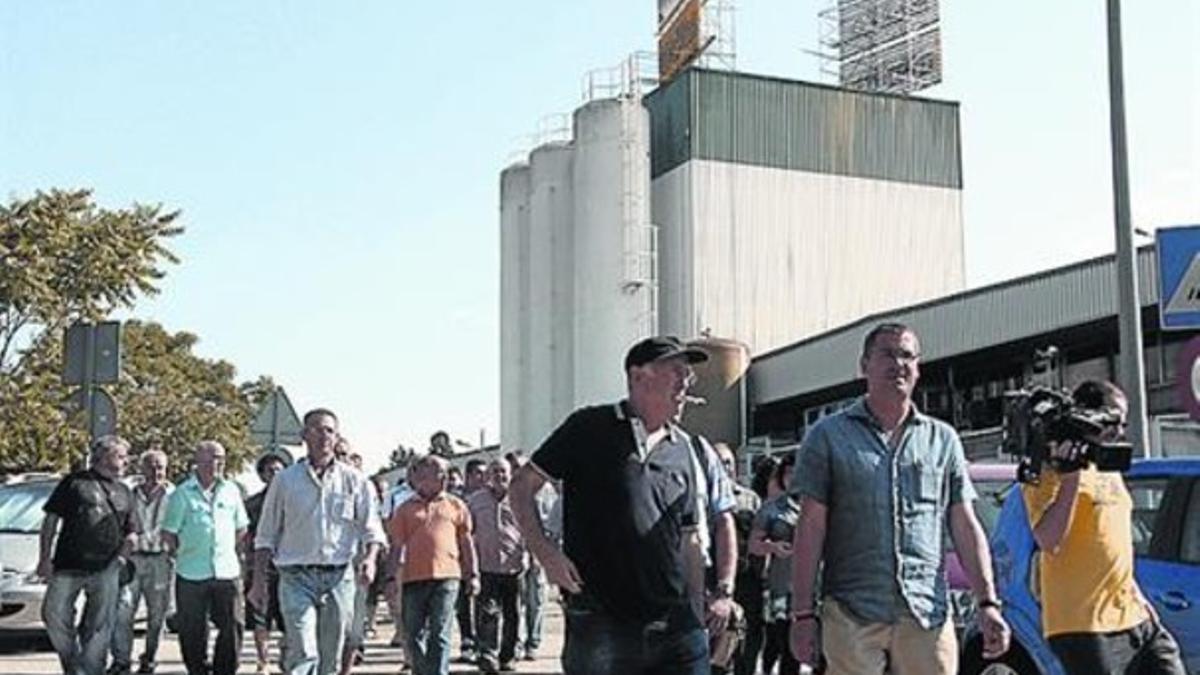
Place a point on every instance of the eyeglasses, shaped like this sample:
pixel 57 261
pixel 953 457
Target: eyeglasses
pixel 894 354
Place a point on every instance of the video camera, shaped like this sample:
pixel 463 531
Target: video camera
pixel 1033 418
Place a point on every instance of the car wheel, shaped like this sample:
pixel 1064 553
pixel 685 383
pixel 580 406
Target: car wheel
pixel 1014 662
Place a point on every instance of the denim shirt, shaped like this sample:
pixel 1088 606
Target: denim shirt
pixel 888 510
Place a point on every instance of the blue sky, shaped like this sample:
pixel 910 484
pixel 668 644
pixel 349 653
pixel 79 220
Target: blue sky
pixel 337 163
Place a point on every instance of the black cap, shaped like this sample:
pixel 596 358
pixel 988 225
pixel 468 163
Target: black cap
pixel 662 347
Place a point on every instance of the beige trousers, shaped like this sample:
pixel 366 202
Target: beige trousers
pixel 853 648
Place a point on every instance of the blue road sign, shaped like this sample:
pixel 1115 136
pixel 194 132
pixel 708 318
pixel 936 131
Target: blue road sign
pixel 1179 277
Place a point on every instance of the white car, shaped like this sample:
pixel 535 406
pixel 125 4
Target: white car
pixel 21 514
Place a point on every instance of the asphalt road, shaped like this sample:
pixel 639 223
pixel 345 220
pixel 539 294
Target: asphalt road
pixel 26 655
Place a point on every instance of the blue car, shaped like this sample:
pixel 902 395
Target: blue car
pixel 1166 541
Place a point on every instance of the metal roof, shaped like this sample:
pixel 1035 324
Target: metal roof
pixel 957 324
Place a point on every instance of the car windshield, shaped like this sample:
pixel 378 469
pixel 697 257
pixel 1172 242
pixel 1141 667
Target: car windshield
pixel 21 506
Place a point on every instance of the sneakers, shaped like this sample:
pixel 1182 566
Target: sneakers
pixel 147 667
pixel 507 667
pixel 261 668
pixel 530 654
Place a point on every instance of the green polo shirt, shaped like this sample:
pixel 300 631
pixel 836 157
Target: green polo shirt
pixel 207 525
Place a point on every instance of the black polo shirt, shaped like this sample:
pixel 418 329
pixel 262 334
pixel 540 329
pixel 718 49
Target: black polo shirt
pixel 624 517
pixel 96 514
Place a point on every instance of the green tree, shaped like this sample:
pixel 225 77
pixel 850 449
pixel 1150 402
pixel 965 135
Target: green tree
pixel 35 432
pixel 172 398
pixel 167 397
pixel 63 258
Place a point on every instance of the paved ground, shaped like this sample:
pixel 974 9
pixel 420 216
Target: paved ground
pixel 22 656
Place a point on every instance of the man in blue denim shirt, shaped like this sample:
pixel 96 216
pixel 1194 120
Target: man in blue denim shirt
pixel 879 483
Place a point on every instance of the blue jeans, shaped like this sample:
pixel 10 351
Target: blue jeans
pixel 152 582
pixel 427 608
pixel 358 625
pixel 533 595
pixel 317 604
pixel 600 644
pixel 82 650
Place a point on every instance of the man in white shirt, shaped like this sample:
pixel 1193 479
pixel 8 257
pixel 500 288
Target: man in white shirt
pixel 153 569
pixel 317 513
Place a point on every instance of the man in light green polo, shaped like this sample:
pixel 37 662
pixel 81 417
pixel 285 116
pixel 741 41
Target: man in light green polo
pixel 205 520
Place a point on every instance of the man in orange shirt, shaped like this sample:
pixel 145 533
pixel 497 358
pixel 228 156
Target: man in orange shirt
pixel 432 531
pixel 1093 614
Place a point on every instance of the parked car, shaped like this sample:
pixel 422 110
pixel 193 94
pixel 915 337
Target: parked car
pixel 21 592
pixel 1166 541
pixel 992 484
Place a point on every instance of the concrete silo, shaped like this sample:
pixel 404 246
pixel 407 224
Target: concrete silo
pixel 615 246
pixel 549 390
pixel 514 300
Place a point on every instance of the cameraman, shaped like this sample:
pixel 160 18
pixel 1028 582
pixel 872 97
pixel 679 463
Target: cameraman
pixel 1093 614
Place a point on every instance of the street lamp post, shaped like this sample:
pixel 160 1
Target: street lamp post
pixel 1129 306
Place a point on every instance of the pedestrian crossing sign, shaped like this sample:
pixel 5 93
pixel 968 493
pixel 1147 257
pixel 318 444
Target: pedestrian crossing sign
pixel 1179 277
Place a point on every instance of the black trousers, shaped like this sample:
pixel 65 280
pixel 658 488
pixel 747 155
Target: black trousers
pixel 496 612
pixel 465 613
pixel 778 649
pixel 748 592
pixel 197 603
pixel 1145 649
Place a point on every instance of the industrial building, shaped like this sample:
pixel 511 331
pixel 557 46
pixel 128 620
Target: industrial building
pixel 975 346
pixel 752 208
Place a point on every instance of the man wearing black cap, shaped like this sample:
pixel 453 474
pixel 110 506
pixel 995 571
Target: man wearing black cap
pixel 631 565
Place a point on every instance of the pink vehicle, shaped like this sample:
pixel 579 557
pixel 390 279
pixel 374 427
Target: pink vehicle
pixel 992 483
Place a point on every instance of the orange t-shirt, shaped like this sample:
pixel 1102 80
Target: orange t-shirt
pixel 428 532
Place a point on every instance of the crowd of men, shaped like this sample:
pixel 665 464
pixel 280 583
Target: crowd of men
pixel 308 556
pixel 832 560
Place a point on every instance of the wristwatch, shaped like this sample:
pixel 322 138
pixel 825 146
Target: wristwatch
pixel 723 591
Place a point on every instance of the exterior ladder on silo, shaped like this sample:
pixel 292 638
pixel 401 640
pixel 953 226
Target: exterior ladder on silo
pixel 640 237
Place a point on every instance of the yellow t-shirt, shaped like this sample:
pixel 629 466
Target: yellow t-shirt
pixel 1087 586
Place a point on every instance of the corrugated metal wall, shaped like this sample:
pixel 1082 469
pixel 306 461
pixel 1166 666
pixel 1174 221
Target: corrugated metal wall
pixel 768 256
pixel 958 324
pixel 762 121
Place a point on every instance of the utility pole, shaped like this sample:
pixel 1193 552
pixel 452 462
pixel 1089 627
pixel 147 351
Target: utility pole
pixel 1129 307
